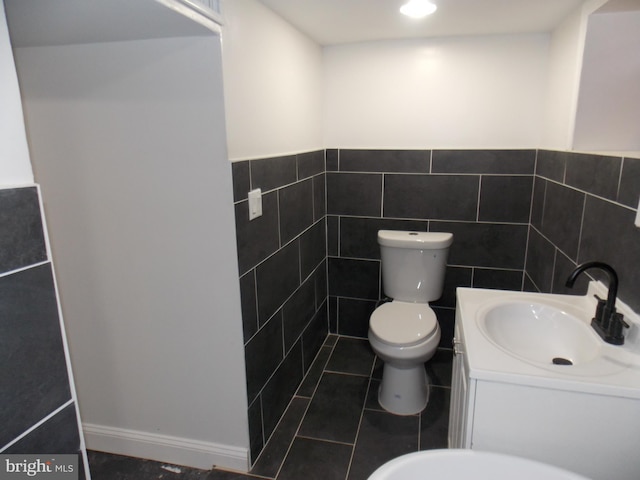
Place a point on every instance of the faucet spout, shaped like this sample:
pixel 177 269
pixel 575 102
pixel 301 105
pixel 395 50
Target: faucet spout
pixel 613 281
pixel 607 322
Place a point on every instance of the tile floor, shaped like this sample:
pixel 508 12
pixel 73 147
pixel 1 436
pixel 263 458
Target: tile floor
pixel 332 429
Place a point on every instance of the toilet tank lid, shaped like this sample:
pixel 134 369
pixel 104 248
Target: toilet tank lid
pixel 417 240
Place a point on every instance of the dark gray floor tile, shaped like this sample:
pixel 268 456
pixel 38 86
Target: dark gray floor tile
pixel 382 437
pixel 311 459
pixel 274 452
pixel 335 410
pixel 371 402
pixel 352 355
pixel 439 367
pixel 434 420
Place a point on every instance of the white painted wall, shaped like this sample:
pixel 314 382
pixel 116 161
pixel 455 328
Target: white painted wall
pixel 15 166
pixel 463 92
pixel 273 83
pixel 563 77
pixel 608 113
pixel 128 142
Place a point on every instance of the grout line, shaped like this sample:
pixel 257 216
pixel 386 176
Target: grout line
pixel 364 405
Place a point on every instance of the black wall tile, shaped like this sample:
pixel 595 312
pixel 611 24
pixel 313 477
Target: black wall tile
pixel 540 259
pixel 21 234
pixel 333 235
pixel 499 279
pixel 359 236
pixel 629 192
pixel 354 194
pixel 320 279
pixel 562 217
pixel 297 312
pixel 354 278
pixel 505 198
pixel 444 197
pixel 270 173
pixel 594 174
pixel 353 316
pixel 34 371
pixel 485 244
pixel 241 180
pixel 319 196
pixel 257 238
pixel 551 164
pixel 314 335
pixel 537 209
pixel 313 249
pixel 277 278
pixel 483 161
pixel 310 163
pixel 281 387
pixel 408 161
pixel 609 235
pixel 563 268
pixel 296 209
pixel 256 440
pixel 263 354
pixel 331 156
pixel 248 305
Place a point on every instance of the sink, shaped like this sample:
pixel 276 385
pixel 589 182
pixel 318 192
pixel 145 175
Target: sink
pixel 540 333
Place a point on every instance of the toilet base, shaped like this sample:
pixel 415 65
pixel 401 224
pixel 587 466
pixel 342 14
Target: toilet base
pixel 404 391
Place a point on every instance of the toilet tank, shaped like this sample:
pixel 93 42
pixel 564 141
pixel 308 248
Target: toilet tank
pixel 413 264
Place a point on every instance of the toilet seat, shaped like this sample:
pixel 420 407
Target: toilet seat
pixel 403 324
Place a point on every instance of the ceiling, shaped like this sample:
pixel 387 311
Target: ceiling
pixel 331 22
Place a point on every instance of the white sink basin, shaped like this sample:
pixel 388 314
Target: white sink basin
pixel 456 464
pixel 540 333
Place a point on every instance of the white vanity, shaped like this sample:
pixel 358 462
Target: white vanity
pixel 532 379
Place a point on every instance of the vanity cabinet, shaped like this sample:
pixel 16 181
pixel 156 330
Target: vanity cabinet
pixel 461 391
pixel 592 431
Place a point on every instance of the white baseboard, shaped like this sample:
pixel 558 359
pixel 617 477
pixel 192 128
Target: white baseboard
pixel 165 448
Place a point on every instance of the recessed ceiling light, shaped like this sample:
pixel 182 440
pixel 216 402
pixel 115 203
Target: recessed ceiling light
pixel 418 8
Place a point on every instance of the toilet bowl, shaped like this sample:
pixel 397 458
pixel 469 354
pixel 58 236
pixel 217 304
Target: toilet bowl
pixel 465 464
pixel 404 335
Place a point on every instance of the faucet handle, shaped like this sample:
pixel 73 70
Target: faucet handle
pixel 616 327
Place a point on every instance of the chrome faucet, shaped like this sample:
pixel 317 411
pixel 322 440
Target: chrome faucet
pixel 608 323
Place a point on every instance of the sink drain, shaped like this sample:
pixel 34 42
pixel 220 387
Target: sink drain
pixel 561 361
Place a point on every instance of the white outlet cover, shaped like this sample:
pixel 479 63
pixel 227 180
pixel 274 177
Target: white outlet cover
pixel 255 203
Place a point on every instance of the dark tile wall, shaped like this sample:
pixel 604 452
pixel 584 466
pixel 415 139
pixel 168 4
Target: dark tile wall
pixel 482 196
pixel 37 413
pixel 521 219
pixel 584 208
pixel 283 281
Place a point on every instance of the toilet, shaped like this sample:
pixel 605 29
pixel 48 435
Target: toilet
pixel 405 333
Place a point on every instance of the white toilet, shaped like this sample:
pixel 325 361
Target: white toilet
pixel 405 333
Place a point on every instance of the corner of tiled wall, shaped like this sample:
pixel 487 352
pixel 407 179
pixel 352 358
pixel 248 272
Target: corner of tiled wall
pixel 283 281
pixel 482 196
pixel 584 208
pixel 38 412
